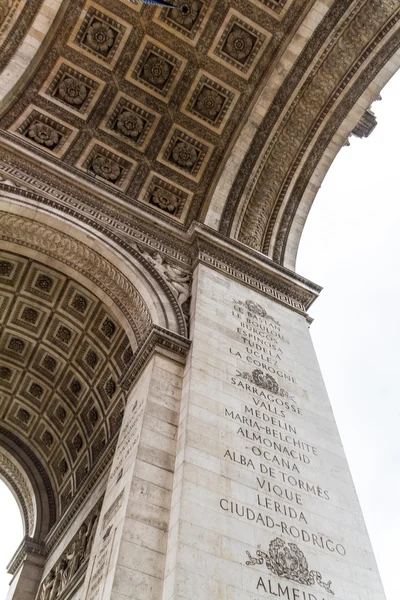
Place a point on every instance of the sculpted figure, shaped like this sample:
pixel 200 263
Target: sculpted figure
pixel 76 554
pixel 91 534
pixel 58 580
pixel 180 281
pixel 47 586
pixel 175 277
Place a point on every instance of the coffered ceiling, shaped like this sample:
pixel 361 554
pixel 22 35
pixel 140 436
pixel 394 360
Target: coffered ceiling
pixel 144 102
pixel 222 111
pixel 61 358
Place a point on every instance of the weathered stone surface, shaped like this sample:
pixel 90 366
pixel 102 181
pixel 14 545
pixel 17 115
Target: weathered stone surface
pixel 163 422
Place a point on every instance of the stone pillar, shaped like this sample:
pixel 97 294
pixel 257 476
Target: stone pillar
pixel 229 480
pixel 263 501
pixel 128 555
pixel 27 568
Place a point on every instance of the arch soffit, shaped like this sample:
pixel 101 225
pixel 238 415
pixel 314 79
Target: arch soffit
pixel 124 281
pixel 24 25
pixel 30 483
pixel 348 55
pixel 21 488
pixel 288 227
pixel 219 210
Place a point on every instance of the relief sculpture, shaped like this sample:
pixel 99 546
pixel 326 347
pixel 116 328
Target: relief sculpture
pixel 265 381
pixel 288 561
pixel 71 561
pixel 178 280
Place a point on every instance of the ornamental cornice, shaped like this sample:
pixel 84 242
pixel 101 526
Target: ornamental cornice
pixel 53 243
pixel 19 175
pixel 186 249
pixel 327 66
pixel 158 338
pixel 28 546
pixel 252 268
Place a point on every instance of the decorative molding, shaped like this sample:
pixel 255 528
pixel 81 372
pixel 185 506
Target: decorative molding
pixel 73 562
pixel 316 154
pixel 249 266
pixel 9 13
pixel 22 231
pixel 101 467
pixel 18 481
pixel 314 100
pixel 52 506
pixel 86 208
pixel 157 338
pixel 28 546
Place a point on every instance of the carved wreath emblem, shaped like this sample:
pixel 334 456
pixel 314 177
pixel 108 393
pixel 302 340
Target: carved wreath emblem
pixel 259 310
pixel 265 381
pixel 288 561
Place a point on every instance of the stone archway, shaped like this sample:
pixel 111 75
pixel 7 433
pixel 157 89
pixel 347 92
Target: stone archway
pixel 71 324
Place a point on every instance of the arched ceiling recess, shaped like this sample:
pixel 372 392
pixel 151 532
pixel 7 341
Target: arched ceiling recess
pixel 129 281
pixel 143 103
pixel 18 482
pixel 70 323
pixel 351 45
pixel 219 111
pixel 62 354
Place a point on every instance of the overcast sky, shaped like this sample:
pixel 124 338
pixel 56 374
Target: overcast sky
pixel 351 246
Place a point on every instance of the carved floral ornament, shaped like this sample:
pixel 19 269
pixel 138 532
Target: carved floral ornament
pixel 130 124
pixel 185 12
pixel 106 168
pixel 156 70
pixel 100 36
pixel 209 102
pixel 239 44
pixel 165 199
pixel 43 134
pixel 72 91
pixel 184 154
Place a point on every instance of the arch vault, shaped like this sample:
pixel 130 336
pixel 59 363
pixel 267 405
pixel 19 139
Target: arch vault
pixel 157 165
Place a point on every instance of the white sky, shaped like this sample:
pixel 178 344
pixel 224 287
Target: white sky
pixel 11 534
pixel 351 246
